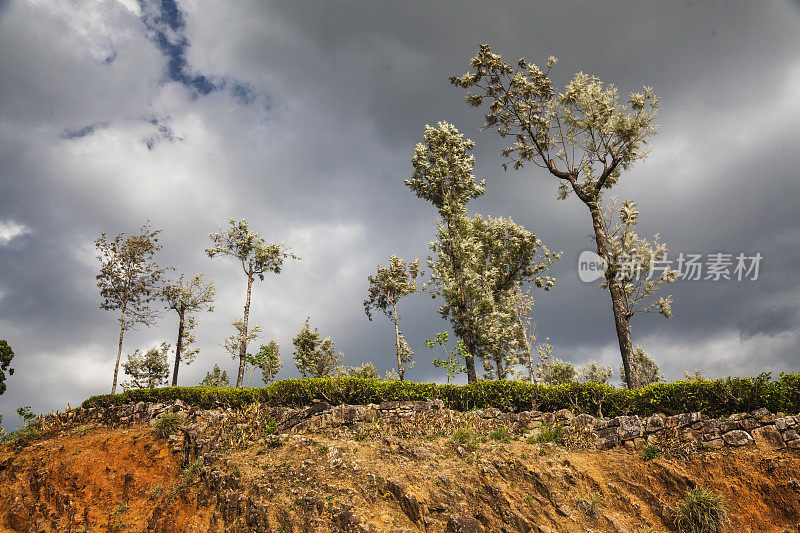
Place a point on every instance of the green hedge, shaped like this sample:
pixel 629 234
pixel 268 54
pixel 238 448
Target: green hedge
pixel 713 397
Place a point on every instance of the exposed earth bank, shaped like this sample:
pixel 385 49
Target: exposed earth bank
pixel 394 478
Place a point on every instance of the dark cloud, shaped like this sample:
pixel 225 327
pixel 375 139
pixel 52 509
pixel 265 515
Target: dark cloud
pixel 302 117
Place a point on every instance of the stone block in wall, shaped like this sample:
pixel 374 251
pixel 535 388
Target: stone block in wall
pixel 630 427
pixel 737 437
pixel 793 444
pixel 607 438
pixel 763 415
pixel 768 436
pixel 654 423
pixel 790 434
pixel 748 424
pixel 784 423
pixel 582 420
pixel 715 444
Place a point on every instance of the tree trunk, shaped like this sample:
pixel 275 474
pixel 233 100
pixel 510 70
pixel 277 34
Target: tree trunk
pixel 499 368
pixel 178 347
pixel 617 301
pixel 469 359
pixel 119 351
pixel 243 345
pixel 466 327
pixel 400 370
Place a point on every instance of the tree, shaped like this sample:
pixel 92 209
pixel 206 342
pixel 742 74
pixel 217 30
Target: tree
pixel 594 372
pixel 6 355
pixel 584 137
pixel 186 297
pixel 505 256
pixel 445 358
pixel 147 370
pixel 386 288
pixel 479 261
pixel 267 359
pixel 234 343
pixel 128 280
pixel 647 368
pixel 443 175
pixel 314 357
pixel 365 371
pixel 256 258
pixel 216 378
pixel 521 304
pixel 552 370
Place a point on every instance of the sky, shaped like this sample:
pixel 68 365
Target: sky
pixel 302 117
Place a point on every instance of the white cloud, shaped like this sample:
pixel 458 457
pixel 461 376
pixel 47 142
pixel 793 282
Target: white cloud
pixel 10 230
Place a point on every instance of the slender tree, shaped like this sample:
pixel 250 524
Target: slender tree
pixel 386 288
pixel 584 137
pixel 128 280
pixel 186 297
pixel 6 355
pixel 267 359
pixel 256 258
pixel 443 175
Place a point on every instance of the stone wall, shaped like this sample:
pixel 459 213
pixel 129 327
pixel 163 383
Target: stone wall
pixel 761 426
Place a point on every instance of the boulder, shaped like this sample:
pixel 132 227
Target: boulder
pixel 767 436
pixel 737 437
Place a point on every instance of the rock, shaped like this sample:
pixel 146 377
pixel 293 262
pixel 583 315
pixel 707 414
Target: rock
pixel 749 423
pixel 423 454
pixel 763 415
pixel 683 420
pixel 784 423
pixel 654 423
pixel 630 427
pixel 582 420
pixel 464 524
pixel 767 436
pixel 520 522
pixel 607 438
pixel 348 414
pixel 790 434
pixel 715 444
pixel 737 437
pixel 793 444
pixel 563 415
pixel 491 412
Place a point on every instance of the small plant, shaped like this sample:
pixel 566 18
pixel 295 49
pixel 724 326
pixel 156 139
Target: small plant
pixel 323 449
pixel 120 509
pixel 462 436
pixel 167 424
pixel 702 511
pixel 500 434
pixel 588 504
pixel 446 359
pixel 550 433
pixel 157 491
pixel 651 451
pixel 192 471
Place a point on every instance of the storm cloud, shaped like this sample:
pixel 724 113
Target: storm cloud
pixel 302 116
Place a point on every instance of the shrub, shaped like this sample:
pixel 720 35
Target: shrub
pixel 650 451
pixel 588 504
pixel 712 397
pixel 500 434
pixel 167 424
pixel 702 511
pixel 550 433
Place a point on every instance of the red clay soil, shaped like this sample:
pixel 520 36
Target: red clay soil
pixel 96 480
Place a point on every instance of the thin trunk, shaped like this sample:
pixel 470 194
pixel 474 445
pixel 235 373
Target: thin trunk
pixel 617 301
pixel 469 359
pixel 400 370
pixel 466 334
pixel 178 347
pixel 499 369
pixel 243 345
pixel 119 351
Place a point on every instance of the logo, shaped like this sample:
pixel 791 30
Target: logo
pixel 591 266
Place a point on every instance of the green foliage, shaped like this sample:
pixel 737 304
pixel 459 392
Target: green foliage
pixel 148 370
pixel 31 427
pixel 446 359
pixel 216 378
pixel 365 371
pixel 167 424
pixel 267 359
pixel 556 372
pixel 551 433
pixel 651 451
pixel 712 397
pixel 702 511
pixel 501 434
pixel 313 356
pixel 646 367
pixel 6 355
pixel 594 372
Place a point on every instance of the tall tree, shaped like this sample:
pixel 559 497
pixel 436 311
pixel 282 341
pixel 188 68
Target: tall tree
pixel 128 280
pixel 186 297
pixel 256 258
pixel 314 357
pixel 443 175
pixel 505 257
pixel 147 370
pixel 583 136
pixel 386 288
pixel 6 355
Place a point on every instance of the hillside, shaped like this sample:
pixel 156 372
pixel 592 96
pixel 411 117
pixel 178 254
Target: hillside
pixel 403 468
